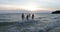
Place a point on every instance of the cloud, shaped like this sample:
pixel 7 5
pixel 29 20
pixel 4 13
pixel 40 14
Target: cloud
pixel 11 7
pixel 18 4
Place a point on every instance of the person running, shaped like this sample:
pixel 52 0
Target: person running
pixel 22 16
pixel 32 16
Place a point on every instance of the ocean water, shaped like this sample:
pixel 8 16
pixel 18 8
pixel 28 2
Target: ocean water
pixel 40 23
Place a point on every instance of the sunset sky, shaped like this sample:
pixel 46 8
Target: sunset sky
pixel 32 5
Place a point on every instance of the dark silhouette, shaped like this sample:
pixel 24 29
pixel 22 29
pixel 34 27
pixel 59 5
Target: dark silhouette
pixel 56 12
pixel 22 16
pixel 27 17
pixel 32 16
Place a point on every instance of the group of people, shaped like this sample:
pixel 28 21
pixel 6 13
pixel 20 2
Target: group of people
pixel 27 16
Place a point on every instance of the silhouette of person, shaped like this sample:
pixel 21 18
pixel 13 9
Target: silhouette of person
pixel 22 16
pixel 32 16
pixel 27 17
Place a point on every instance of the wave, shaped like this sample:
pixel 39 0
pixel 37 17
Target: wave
pixel 28 26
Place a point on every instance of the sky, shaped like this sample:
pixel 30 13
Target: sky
pixel 31 5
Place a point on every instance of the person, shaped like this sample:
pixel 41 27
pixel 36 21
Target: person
pixel 22 16
pixel 27 17
pixel 32 16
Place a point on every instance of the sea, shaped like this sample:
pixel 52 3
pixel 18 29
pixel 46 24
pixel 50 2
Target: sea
pixel 12 22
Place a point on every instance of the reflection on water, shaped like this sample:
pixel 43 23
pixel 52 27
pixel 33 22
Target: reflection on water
pixel 41 23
